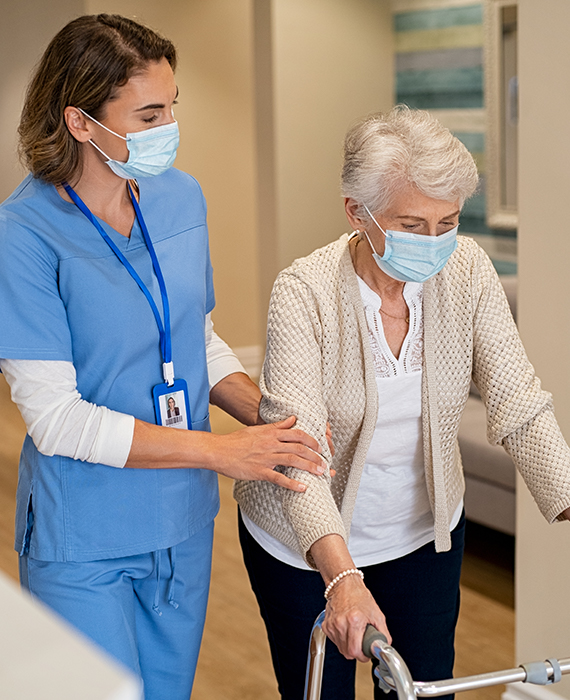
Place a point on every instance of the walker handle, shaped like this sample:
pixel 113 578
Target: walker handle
pixel 371 635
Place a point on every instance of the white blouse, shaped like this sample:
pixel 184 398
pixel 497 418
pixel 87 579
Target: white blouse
pixel 392 515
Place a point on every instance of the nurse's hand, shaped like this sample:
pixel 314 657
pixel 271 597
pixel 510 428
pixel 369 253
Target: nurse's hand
pixel 254 452
pixel 251 453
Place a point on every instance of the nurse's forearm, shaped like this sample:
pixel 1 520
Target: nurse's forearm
pixel 156 447
pixel 251 453
pixel 237 395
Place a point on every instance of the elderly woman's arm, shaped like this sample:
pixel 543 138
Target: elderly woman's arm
pixel 292 380
pixel 543 458
pixel 519 413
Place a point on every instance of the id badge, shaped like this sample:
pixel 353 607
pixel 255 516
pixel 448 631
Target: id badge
pixel 171 405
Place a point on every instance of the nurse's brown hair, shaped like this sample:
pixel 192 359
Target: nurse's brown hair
pixel 83 66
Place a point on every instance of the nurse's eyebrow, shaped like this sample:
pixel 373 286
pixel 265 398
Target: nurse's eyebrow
pixel 152 106
pixel 155 106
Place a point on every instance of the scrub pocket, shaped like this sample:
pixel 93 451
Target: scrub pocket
pixel 203 424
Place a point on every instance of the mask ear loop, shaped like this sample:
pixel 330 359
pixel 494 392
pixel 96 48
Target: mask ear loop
pixel 370 243
pixel 103 125
pixel 371 215
pixel 101 151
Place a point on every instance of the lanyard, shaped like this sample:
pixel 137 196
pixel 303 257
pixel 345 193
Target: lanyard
pixel 163 329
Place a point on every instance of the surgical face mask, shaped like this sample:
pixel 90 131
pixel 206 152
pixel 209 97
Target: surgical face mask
pixel 412 257
pixel 151 152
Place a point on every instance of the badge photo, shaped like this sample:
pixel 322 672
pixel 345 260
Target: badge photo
pixel 171 405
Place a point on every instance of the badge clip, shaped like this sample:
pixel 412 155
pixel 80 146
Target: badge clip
pixel 168 372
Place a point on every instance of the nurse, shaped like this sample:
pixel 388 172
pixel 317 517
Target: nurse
pixel 105 300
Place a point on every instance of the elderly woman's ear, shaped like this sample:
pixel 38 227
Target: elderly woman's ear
pixel 352 209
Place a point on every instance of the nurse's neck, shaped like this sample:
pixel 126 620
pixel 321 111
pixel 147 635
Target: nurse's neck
pixel 105 193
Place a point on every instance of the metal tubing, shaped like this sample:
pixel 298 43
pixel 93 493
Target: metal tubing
pixel 483 680
pixel 456 685
pixel 316 661
pixel 564 665
pixel 403 683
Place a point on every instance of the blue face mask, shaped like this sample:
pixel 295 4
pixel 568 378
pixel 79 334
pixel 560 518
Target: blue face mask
pixel 412 257
pixel 151 152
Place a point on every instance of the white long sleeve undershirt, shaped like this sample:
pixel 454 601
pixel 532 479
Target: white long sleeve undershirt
pixel 60 422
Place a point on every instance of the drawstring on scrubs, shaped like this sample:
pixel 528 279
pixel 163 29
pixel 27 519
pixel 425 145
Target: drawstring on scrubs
pixel 155 607
pixel 171 601
pixel 157 562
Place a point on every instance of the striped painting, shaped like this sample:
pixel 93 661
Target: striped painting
pixel 439 67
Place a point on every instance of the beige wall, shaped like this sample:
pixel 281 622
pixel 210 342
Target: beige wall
pixel 543 552
pixel 333 63
pixel 25 30
pixel 267 90
pixel 216 113
pixel 320 64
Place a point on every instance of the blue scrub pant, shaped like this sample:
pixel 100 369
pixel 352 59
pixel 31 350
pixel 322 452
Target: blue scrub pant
pixel 418 593
pixel 147 610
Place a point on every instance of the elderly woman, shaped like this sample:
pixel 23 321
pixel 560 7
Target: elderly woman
pixel 380 333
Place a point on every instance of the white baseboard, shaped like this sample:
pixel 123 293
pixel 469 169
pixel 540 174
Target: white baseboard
pixel 251 357
pixel 527 691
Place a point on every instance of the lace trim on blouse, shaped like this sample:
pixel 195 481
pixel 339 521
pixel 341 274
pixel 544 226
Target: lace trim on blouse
pixel 411 354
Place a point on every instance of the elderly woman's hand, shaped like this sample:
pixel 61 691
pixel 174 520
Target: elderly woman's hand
pixel 350 605
pixel 566 513
pixel 350 609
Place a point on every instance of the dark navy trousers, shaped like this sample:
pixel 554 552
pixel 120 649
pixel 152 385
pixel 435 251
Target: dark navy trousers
pixel 418 594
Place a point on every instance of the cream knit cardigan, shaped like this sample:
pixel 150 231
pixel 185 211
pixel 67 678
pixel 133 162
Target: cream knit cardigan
pixel 319 368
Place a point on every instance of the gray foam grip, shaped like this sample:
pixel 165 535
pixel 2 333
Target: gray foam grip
pixel 370 636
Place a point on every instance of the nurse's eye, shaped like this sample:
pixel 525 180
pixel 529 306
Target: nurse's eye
pixel 150 120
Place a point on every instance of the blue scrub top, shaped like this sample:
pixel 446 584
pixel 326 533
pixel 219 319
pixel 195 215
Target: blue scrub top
pixel 65 296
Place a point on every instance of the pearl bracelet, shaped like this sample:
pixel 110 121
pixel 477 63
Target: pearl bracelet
pixel 336 579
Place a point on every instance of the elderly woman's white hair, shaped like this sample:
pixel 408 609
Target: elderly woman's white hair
pixel 385 152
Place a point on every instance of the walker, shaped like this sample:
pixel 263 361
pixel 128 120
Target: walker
pixel 393 674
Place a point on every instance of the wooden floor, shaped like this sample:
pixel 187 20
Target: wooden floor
pixel 234 662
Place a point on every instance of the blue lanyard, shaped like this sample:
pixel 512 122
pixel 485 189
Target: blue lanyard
pixel 164 330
